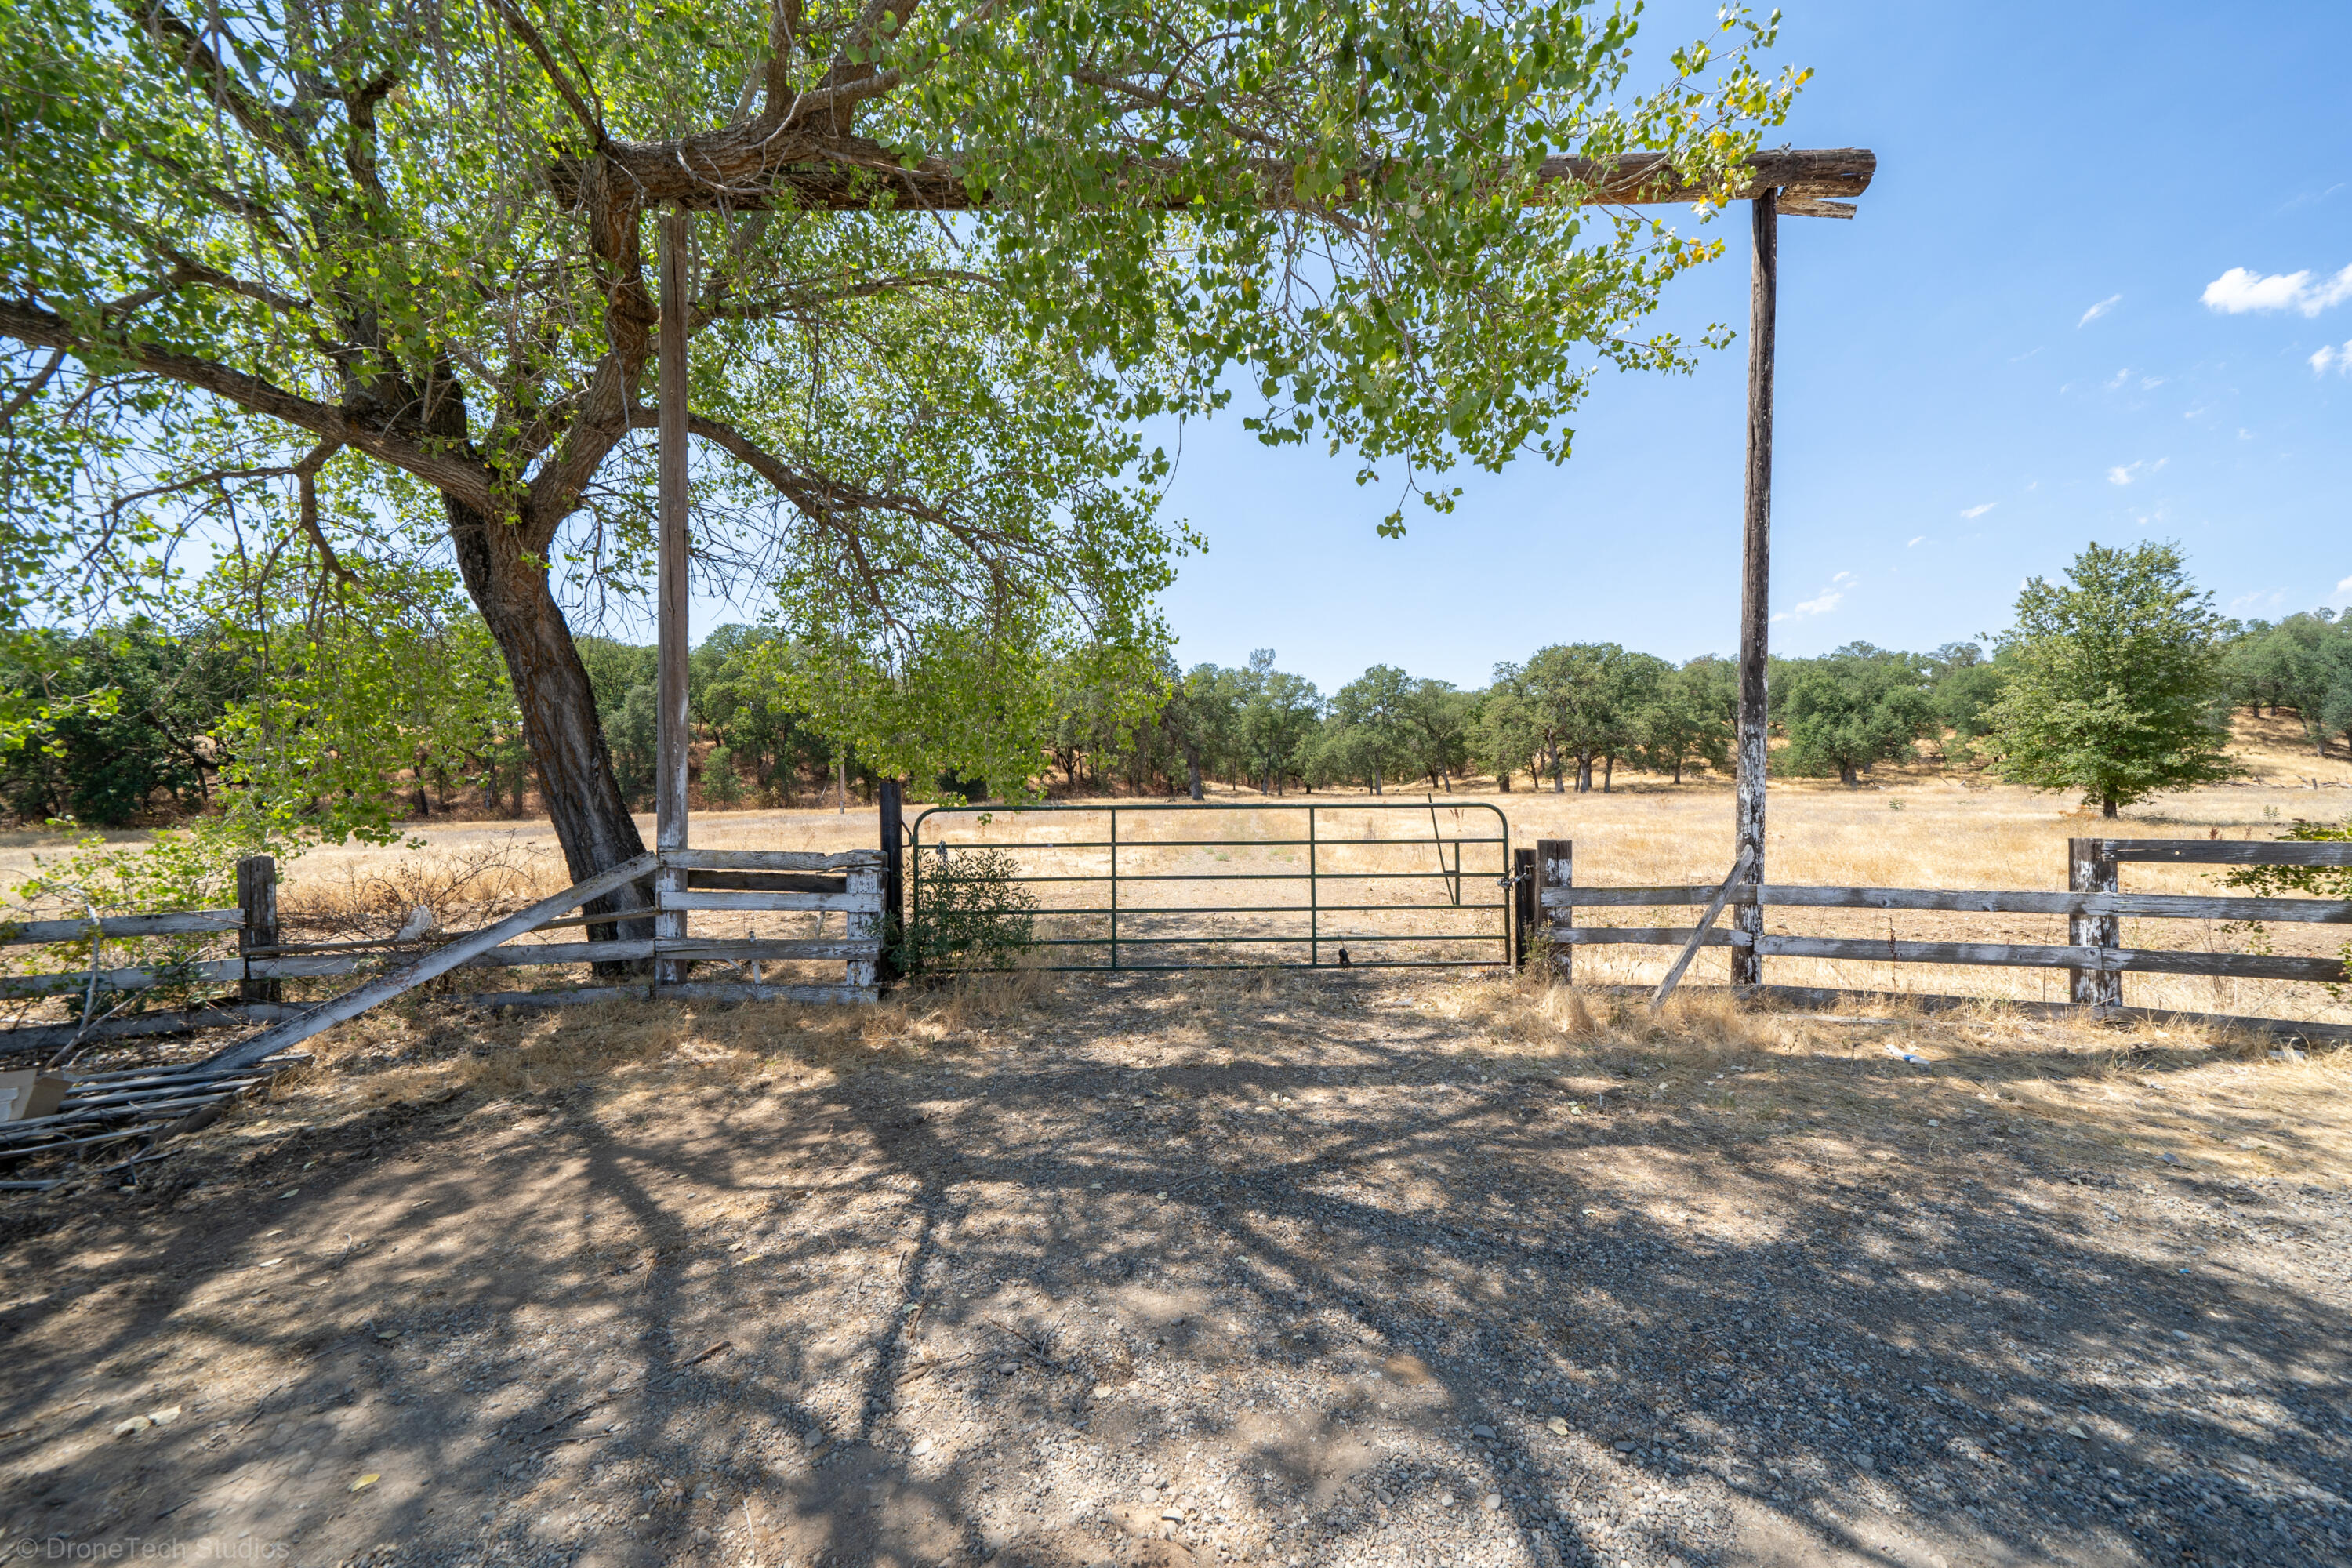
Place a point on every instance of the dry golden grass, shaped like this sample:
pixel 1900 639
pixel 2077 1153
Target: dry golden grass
pixel 2219 1100
pixel 1921 826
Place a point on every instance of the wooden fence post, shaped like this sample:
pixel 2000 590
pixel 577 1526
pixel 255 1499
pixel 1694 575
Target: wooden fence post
pixel 257 901
pixel 1523 905
pixel 894 875
pixel 1556 867
pixel 2091 868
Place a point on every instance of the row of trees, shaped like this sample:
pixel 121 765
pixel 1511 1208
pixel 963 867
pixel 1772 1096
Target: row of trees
pixel 2118 682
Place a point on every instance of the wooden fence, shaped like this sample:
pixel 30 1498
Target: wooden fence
pixel 720 883
pixel 2094 954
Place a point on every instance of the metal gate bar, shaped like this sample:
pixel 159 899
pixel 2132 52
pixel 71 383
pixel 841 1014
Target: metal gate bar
pixel 1121 937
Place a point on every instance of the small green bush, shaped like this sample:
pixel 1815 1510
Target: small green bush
pixel 972 914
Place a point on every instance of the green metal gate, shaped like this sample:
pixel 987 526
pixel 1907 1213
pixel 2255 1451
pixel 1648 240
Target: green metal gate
pixel 1114 894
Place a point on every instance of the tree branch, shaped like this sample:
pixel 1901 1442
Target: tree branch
pixel 462 479
pixel 582 110
pixel 262 121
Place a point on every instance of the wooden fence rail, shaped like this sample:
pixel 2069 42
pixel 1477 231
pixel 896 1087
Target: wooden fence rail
pixel 2094 908
pixel 750 881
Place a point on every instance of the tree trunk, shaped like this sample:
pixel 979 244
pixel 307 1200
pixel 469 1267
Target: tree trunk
pixel 1678 769
pixel 2107 805
pixel 581 798
pixel 1502 781
pixel 1846 775
pixel 1584 772
pixel 1608 772
pixel 1376 778
pixel 1192 774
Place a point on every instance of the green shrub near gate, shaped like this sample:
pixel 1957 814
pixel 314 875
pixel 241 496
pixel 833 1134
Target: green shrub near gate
pixel 972 912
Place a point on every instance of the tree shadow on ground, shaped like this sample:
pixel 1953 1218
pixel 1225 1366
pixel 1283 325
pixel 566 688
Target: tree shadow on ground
pixel 781 1322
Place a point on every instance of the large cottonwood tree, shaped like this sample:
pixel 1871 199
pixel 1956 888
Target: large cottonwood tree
pixel 953 254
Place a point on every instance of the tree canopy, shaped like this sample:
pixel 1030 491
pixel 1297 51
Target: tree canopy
pixel 2115 683
pixel 369 281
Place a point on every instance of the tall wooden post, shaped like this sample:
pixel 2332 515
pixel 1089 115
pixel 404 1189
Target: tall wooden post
pixel 1523 906
pixel 257 901
pixel 1755 577
pixel 894 874
pixel 1556 869
pixel 670 630
pixel 2091 868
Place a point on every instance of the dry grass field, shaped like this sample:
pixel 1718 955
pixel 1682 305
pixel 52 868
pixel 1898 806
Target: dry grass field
pixel 1332 1270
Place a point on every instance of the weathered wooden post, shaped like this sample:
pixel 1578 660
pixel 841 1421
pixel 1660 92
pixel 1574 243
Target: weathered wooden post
pixel 894 875
pixel 1755 580
pixel 2091 868
pixel 1523 905
pixel 670 627
pixel 1556 869
pixel 256 899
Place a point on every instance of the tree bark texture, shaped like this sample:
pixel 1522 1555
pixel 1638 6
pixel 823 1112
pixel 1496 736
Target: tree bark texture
pixel 583 801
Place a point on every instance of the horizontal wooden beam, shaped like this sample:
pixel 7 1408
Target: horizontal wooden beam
pixel 774 860
pixel 1969 900
pixel 721 948
pixel 182 922
pixel 2123 960
pixel 524 954
pixel 385 987
pixel 853 904
pixel 1878 950
pixel 2226 852
pixel 744 167
pixel 1643 936
pixel 48 1036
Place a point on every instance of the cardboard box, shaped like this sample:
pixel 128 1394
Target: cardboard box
pixel 31 1092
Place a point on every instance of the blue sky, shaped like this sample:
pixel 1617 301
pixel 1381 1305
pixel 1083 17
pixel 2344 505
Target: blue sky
pixel 2008 353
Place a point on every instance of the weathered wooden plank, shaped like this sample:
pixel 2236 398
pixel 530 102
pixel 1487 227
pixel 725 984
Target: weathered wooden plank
pixel 442 960
pixel 1555 873
pixel 2089 871
pixel 1642 936
pixel 774 860
pixel 48 1036
pixel 854 903
pixel 853 948
pixel 301 966
pixel 1972 900
pixel 1608 898
pixel 524 954
pixel 2243 965
pixel 2225 852
pixel 256 901
pixel 208 971
pixel 184 922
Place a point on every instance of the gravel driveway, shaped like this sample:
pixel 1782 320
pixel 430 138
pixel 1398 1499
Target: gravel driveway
pixel 1164 1274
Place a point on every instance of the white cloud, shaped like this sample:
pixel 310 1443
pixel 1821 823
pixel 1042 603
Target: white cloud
pixel 2101 308
pixel 1921 539
pixel 2239 290
pixel 1979 510
pixel 2125 475
pixel 2329 354
pixel 1820 603
pixel 2117 379
pixel 2345 586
